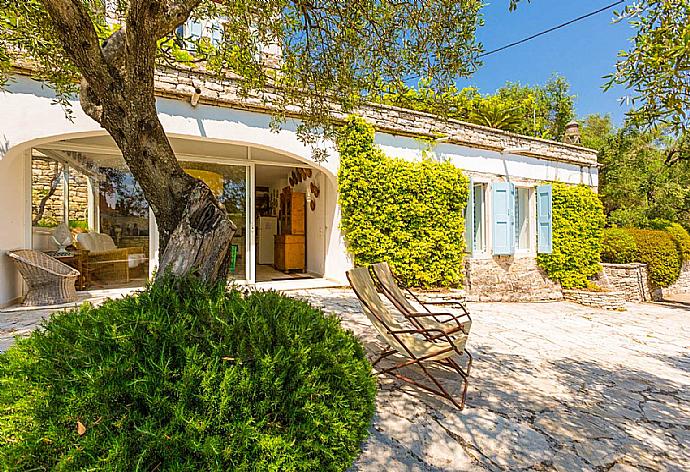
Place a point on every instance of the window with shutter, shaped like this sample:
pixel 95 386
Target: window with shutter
pixel 544 220
pixel 469 219
pixel 502 210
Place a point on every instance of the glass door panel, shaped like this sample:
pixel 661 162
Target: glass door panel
pixel 229 184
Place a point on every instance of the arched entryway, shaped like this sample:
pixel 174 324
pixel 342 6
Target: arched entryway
pixel 82 180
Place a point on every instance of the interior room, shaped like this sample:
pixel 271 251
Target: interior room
pixel 286 199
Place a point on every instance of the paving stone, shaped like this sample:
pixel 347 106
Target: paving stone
pixel 554 386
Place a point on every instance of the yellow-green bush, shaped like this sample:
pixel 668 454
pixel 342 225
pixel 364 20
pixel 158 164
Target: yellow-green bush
pixel 410 214
pixel 678 234
pixel 618 246
pixel 656 249
pixel 578 221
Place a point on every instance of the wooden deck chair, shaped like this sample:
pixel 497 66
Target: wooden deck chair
pixel 420 346
pixel 390 286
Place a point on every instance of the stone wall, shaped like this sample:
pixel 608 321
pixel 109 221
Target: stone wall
pixel 629 279
pixel 682 285
pixel 606 300
pixel 509 279
pixel 43 171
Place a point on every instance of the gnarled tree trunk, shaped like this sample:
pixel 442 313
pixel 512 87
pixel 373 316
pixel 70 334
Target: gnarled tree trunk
pixel 117 90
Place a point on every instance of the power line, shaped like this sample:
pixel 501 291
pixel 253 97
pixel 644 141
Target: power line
pixel 579 18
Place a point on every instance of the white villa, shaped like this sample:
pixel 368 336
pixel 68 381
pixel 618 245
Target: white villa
pixel 54 170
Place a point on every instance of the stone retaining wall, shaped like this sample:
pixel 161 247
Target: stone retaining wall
pixel 682 285
pixel 629 279
pixel 509 279
pixel 605 300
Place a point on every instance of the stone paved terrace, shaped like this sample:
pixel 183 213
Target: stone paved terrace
pixel 554 386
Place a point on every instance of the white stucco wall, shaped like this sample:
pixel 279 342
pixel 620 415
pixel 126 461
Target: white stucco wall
pixel 491 162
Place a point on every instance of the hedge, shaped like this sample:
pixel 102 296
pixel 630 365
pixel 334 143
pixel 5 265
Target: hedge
pixel 410 214
pixel 678 234
pixel 657 249
pixel 578 220
pixel 662 250
pixel 186 377
pixel 618 246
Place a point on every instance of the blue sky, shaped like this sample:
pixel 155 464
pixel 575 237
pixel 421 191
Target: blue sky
pixel 583 52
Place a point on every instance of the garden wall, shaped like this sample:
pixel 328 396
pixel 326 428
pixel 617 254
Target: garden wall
pixel 604 300
pixel 682 285
pixel 633 281
pixel 509 279
pixel 629 279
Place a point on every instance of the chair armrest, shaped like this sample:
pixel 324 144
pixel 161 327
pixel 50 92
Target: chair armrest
pixel 114 255
pixel 134 249
pixel 451 316
pixel 444 302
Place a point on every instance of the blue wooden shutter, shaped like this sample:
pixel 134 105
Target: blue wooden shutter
pixel 502 209
pixel 469 220
pixel 544 220
pixel 194 29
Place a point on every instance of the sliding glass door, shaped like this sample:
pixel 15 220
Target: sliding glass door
pixel 230 184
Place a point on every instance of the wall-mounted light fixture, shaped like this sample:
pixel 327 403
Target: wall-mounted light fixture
pixel 194 100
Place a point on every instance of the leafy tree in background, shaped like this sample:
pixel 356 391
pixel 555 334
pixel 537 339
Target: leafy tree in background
pixel 636 185
pixel 657 70
pixel 331 53
pixel 541 111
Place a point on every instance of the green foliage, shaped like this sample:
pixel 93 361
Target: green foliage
pixel 540 111
pixel 330 52
pixel 618 246
pixel 80 224
pixel 656 249
pixel 635 183
pixel 578 220
pixel 678 234
pixel 656 67
pixel 410 214
pixel 186 377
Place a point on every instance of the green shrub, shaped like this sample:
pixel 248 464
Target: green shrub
pixel 678 234
pixel 618 246
pixel 184 377
pixel 578 221
pixel 656 249
pixel 410 214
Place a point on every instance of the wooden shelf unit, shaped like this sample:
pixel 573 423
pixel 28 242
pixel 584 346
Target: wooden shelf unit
pixel 290 244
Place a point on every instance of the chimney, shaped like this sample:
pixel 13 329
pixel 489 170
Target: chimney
pixel 572 133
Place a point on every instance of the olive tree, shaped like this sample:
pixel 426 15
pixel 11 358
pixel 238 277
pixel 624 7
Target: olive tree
pixel 656 69
pixel 332 53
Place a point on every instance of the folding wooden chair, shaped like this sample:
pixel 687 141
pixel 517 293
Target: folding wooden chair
pixel 420 346
pixel 390 286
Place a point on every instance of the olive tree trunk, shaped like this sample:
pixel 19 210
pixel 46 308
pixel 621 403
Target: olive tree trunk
pixel 117 90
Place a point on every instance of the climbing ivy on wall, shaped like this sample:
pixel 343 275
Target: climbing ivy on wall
pixel 578 222
pixel 410 214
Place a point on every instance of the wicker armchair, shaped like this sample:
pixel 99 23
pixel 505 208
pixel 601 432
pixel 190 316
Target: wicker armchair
pixel 50 281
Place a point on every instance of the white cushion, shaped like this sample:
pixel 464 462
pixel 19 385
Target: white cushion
pixel 96 242
pixel 135 260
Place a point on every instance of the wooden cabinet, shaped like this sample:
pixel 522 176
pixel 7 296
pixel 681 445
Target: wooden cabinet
pixel 289 252
pixel 292 212
pixel 290 245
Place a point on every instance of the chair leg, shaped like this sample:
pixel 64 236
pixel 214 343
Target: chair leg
pixel 384 353
pixel 441 391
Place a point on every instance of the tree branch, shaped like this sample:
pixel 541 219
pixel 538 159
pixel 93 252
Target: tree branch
pixel 73 25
